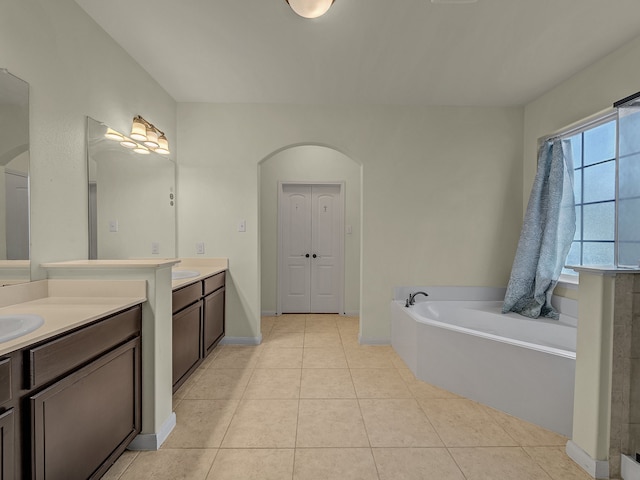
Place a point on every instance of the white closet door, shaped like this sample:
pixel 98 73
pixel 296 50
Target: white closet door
pixel 295 212
pixel 326 231
pixel 311 232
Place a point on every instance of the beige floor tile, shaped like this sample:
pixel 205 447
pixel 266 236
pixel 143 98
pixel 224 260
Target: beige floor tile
pixel 118 468
pixel 397 423
pixel 285 339
pixel 220 383
pixel 349 340
pixel 289 323
pixel 416 464
pixel 556 463
pixel 266 324
pixel 321 323
pixel 324 357
pixel 232 356
pixel 334 464
pixel 326 383
pixel 170 464
pixel 285 357
pixel 190 382
pixel 527 434
pixel 369 357
pixel 330 423
pixel 263 424
pixel 348 324
pixel 322 339
pixel 424 391
pixel 463 423
pixel 201 423
pixel 379 383
pixel 407 375
pixel 493 463
pixel 252 464
pixel 274 383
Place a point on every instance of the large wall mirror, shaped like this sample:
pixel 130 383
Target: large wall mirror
pixel 14 186
pixel 131 199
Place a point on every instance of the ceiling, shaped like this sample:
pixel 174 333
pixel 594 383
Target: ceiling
pixel 489 53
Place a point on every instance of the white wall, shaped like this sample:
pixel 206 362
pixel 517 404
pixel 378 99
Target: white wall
pixel 441 193
pixel 73 69
pixel 310 163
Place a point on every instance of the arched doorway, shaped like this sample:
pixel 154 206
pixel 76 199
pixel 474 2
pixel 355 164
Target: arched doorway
pixel 311 164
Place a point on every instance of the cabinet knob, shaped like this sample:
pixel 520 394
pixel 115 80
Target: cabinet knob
pixel 314 255
pixel 307 255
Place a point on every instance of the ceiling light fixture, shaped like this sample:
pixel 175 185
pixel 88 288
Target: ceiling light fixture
pixel 310 8
pixel 150 135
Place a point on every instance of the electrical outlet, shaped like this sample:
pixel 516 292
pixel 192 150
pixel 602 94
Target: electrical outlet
pixel 199 248
pixel 155 248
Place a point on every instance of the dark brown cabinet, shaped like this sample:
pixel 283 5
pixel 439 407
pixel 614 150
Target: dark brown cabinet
pixel 198 324
pixel 71 404
pixel 187 326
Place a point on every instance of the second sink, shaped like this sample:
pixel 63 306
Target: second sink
pixel 14 326
pixel 181 274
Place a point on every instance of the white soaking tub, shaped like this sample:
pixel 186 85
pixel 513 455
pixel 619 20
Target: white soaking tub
pixel 522 366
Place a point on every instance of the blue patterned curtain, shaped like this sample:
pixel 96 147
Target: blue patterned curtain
pixel 548 230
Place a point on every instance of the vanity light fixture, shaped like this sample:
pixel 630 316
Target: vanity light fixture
pixel 148 134
pixel 128 143
pixel 141 150
pixel 310 8
pixel 113 135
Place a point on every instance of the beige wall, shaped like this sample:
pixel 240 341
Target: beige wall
pixel 594 89
pixel 310 163
pixel 441 193
pixel 73 69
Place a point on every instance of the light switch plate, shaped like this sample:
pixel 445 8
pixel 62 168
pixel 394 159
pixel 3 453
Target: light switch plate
pixel 113 225
pixel 199 248
pixel 242 226
pixel 155 248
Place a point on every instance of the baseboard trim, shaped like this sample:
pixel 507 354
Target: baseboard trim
pixel 241 340
pixel 595 468
pixel 153 441
pixel 269 313
pixel 373 340
pixel 355 313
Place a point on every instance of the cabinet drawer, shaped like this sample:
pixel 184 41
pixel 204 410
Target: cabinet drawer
pixel 186 296
pixel 5 381
pixel 211 284
pixel 57 357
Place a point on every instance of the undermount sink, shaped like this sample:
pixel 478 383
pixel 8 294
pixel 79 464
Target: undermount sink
pixel 14 326
pixel 181 274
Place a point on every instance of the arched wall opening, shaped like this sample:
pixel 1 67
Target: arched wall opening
pixel 313 164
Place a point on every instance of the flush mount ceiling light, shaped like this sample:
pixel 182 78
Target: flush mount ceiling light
pixel 310 8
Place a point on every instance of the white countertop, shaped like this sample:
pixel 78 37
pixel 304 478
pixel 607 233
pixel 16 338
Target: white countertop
pixel 67 304
pixel 204 266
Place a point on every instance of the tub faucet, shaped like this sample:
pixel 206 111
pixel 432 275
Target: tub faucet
pixel 412 298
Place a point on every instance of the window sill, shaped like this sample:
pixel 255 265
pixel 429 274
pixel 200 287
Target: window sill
pixel 570 282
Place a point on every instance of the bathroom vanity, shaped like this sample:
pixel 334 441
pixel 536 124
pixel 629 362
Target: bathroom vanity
pixel 70 391
pixel 198 309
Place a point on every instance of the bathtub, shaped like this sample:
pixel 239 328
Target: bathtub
pixel 521 366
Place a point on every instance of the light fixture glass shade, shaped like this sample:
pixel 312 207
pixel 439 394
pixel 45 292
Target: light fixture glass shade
pixel 138 130
pixel 113 135
pixel 152 138
pixel 163 145
pixel 141 150
pixel 310 8
pixel 128 143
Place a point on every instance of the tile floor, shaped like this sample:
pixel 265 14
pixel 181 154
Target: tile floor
pixel 310 403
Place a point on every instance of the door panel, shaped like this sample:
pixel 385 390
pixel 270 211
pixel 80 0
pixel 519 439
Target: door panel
pixel 326 266
pixel 296 244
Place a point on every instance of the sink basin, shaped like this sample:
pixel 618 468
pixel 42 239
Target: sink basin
pixel 14 326
pixel 181 274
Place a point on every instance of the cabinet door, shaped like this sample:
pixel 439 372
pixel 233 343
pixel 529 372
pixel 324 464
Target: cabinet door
pixel 186 342
pixel 81 423
pixel 6 449
pixel 213 319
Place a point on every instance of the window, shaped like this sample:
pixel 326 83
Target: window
pixel 594 161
